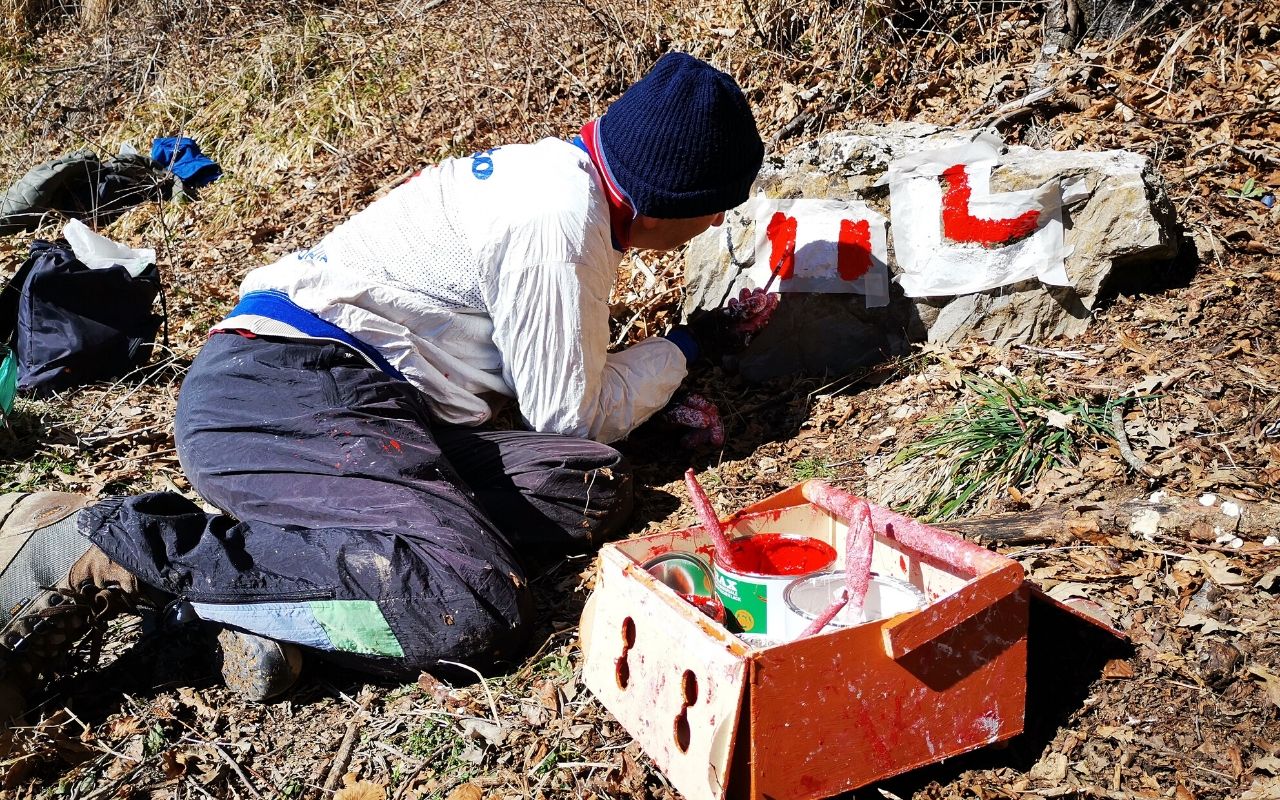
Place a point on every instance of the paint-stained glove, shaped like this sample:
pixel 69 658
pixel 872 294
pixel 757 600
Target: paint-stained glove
pixel 718 332
pixel 749 312
pixel 700 416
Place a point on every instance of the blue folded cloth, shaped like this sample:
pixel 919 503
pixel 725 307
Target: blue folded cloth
pixel 183 158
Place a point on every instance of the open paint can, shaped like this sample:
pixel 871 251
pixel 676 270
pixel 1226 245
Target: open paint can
pixel 690 576
pixel 806 598
pixel 763 566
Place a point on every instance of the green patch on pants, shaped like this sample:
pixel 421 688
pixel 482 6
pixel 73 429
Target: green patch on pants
pixel 356 626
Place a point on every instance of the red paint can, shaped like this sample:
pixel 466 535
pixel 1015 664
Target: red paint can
pixel 762 566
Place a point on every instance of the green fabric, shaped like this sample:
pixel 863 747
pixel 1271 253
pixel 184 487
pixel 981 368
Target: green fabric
pixel 356 626
pixel 8 379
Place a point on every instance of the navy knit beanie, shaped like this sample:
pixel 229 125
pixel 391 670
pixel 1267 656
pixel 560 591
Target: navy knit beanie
pixel 681 142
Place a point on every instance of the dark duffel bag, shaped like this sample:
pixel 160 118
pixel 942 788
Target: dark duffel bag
pixel 71 325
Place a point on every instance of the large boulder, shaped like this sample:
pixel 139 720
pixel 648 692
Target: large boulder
pixel 1116 221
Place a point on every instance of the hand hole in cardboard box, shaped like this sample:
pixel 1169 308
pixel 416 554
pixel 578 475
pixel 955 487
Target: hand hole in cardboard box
pixel 623 671
pixel 683 732
pixel 690 688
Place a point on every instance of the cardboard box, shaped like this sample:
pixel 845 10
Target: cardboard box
pixel 816 717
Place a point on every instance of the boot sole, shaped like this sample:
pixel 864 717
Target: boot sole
pixel 260 669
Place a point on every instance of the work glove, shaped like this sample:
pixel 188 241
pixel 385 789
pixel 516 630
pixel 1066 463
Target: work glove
pixel 749 312
pixel 699 416
pixel 718 332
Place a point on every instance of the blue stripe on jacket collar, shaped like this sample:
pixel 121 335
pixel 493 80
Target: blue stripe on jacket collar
pixel 278 306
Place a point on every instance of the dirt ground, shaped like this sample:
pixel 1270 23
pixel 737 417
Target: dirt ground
pixel 315 110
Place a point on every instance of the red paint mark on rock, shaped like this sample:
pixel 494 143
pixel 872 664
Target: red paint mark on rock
pixel 782 245
pixel 853 250
pixel 780 554
pixel 959 225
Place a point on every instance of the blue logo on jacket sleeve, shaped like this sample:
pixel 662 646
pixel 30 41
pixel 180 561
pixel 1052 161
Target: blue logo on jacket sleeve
pixel 482 165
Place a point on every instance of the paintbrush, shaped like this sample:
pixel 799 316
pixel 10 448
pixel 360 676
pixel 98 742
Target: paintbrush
pixel 707 516
pixel 777 268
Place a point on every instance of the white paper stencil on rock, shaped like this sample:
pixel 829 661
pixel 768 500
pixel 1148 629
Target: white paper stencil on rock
pixel 824 246
pixel 952 236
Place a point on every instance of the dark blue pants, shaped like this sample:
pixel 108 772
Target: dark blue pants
pixel 354 524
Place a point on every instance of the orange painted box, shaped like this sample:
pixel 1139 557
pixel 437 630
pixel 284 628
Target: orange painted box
pixel 814 717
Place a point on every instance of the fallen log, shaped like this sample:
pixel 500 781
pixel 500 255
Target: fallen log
pixel 1179 517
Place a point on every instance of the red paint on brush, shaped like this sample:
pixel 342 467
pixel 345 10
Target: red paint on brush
pixel 933 542
pixel 856 513
pixel 782 245
pixel 853 249
pixel 779 554
pixel 707 516
pixel 959 225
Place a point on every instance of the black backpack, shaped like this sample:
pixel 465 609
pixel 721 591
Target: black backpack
pixel 70 325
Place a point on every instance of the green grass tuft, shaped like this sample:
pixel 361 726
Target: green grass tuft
pixel 1007 436
pixel 812 467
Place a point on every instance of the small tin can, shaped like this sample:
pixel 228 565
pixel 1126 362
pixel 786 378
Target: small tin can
pixel 687 573
pixel 690 576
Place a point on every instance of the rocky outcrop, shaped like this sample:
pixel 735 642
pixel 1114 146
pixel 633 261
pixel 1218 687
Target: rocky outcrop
pixel 1116 218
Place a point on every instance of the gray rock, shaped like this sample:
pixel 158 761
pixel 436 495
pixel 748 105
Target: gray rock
pixel 1116 216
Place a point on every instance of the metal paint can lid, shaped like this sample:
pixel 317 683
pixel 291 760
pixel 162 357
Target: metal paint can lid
pixel 686 573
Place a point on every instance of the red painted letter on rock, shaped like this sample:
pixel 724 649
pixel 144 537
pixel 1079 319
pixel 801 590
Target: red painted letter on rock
pixel 853 250
pixel 959 225
pixel 782 245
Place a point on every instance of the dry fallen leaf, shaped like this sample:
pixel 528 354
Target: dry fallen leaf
pixel 1262 789
pixel 174 763
pixel 1221 569
pixel 1271 682
pixel 467 791
pixel 1268 764
pixel 361 790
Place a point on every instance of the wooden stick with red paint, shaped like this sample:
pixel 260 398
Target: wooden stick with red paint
pixel 707 516
pixel 826 616
pixel 857 552
pixel 857 556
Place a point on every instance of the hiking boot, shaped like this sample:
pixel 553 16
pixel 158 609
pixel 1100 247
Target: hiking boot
pixel 57 589
pixel 258 668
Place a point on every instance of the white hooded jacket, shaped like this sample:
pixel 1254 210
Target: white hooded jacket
pixel 484 275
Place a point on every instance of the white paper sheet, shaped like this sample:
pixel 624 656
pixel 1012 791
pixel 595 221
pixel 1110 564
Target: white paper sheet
pixel 822 262
pixel 932 252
